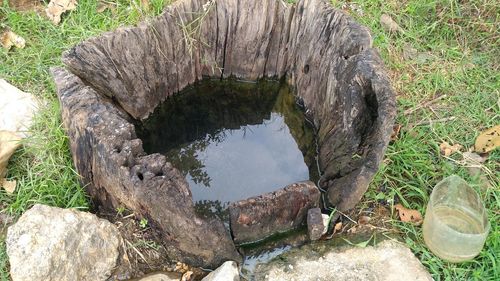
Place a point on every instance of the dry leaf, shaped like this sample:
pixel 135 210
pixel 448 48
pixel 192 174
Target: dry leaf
pixel 9 186
pixel 104 5
pixel 408 215
pixel 337 227
pixel 9 142
pixel 389 24
pixel 395 132
pixel 447 149
pixel 488 140
pixel 145 4
pixel 57 7
pixel 473 162
pixel 181 267
pixel 9 39
pixel 187 276
pixel 363 220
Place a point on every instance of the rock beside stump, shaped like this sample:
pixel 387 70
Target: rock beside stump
pixel 317 223
pixel 228 271
pixel 388 261
pixel 50 243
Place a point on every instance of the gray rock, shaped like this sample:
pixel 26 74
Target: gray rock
pixel 259 217
pixel 163 276
pixel 316 224
pixel 387 261
pixel 228 271
pixel 50 243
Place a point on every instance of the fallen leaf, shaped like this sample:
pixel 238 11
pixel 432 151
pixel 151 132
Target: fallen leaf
pixel 363 220
pixel 187 276
pixel 408 215
pixel 409 53
pixel 473 162
pixel 337 227
pixel 395 132
pixel 9 186
pixel 9 142
pixel 488 140
pixel 57 7
pixel 389 24
pixel 447 149
pixel 9 39
pixel 104 5
pixel 181 267
pixel 145 4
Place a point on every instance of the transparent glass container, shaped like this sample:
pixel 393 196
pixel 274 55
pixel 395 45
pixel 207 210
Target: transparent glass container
pixel 456 223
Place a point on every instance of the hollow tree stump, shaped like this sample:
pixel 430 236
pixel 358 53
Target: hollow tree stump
pixel 123 75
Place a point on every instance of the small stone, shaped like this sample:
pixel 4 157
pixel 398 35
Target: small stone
pixel 49 243
pixel 423 58
pixel 315 224
pixel 163 276
pixel 409 53
pixel 228 271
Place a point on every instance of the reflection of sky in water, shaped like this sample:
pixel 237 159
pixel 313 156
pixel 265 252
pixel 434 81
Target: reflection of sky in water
pixel 250 262
pixel 252 160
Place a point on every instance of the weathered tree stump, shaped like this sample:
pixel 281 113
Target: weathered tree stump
pixel 123 75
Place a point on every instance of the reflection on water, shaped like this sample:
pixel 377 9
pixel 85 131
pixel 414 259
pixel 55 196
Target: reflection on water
pixel 233 140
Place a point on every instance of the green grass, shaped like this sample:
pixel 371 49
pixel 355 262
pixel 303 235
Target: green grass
pixel 458 43
pixel 458 47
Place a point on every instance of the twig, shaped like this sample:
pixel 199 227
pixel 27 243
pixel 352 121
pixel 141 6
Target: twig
pixel 137 251
pixel 129 216
pixel 427 122
pixel 355 222
pixel 425 104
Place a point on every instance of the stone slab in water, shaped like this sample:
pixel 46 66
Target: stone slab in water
pixel 123 75
pixel 259 217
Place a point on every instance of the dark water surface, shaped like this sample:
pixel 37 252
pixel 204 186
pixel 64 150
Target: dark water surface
pixel 233 140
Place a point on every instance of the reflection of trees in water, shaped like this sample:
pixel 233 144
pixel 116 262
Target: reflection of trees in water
pixel 206 208
pixel 187 161
pixel 301 130
pixel 187 123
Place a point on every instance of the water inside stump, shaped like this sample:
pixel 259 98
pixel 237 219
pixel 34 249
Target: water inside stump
pixel 233 140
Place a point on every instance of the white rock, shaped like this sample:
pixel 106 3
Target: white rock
pixel 50 243
pixel 388 261
pixel 17 109
pixel 167 276
pixel 228 271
